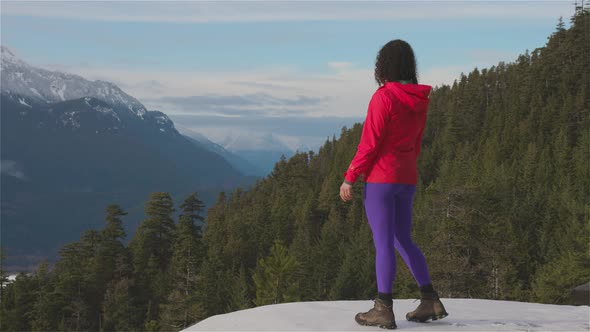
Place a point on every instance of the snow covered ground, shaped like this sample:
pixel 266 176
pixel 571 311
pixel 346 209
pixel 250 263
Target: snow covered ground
pixel 464 315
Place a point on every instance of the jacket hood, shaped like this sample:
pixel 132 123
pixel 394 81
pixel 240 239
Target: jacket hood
pixel 415 96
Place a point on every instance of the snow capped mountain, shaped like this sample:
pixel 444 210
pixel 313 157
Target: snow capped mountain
pixel 252 141
pixel 67 140
pixel 464 315
pixel 20 78
pixel 239 163
pixel 53 91
pixel 242 139
pixel 199 138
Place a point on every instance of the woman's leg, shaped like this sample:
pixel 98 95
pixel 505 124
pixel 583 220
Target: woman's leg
pixel 380 208
pixel 410 253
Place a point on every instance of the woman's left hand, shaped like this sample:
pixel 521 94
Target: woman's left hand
pixel 346 191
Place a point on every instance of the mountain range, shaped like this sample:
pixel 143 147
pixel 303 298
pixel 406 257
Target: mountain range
pixel 71 146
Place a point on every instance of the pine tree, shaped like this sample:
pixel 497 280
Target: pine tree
pixel 45 309
pixel 274 277
pixel 181 307
pixel 119 305
pixel 151 249
pixel 212 291
pixel 240 291
pixel 117 311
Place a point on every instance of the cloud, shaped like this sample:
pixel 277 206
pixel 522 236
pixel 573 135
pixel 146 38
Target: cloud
pixel 267 11
pixel 304 132
pixel 153 87
pixel 277 90
pixel 443 75
pixel 268 89
pixel 340 65
pixel 238 105
pixel 11 168
pixel 290 126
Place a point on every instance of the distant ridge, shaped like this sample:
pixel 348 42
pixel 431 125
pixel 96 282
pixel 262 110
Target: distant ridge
pixel 76 145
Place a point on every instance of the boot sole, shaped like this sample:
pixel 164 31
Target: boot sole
pixel 383 326
pixel 390 326
pixel 433 317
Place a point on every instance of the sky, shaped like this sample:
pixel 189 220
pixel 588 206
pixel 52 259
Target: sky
pixel 297 69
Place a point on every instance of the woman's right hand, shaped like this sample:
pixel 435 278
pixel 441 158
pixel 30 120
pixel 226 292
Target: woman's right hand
pixel 346 191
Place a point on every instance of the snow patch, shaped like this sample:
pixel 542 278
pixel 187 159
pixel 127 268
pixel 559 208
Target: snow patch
pixel 23 102
pixel 10 279
pixel 36 92
pixel 8 57
pixel 141 112
pixel 108 110
pixel 61 91
pixel 248 140
pixel 68 118
pixel 464 315
pixel 11 168
pixel 18 75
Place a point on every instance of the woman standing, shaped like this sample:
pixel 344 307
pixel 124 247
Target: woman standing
pixel 386 159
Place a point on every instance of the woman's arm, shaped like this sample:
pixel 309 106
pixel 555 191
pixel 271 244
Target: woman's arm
pixel 372 135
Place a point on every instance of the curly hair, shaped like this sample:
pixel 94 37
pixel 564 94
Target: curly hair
pixel 395 61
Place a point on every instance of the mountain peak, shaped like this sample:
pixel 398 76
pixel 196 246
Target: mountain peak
pixel 8 56
pixel 47 86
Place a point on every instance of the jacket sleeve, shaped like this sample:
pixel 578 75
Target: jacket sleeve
pixel 371 137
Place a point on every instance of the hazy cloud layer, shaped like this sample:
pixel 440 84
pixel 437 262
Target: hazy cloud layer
pixel 307 132
pixel 235 105
pixel 292 126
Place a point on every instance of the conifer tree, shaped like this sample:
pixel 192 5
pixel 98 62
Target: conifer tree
pixel 46 307
pixel 181 307
pixel 151 249
pixel 274 277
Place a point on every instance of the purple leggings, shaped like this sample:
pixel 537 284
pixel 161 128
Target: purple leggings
pixel 389 211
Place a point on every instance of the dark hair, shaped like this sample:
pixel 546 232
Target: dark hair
pixel 395 61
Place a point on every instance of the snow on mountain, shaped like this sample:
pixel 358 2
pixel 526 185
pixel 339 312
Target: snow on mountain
pixel 464 315
pixel 18 77
pixel 253 141
pixel 197 136
pixel 241 164
pixel 233 139
pixel 260 149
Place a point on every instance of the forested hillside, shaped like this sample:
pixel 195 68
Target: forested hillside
pixel 501 212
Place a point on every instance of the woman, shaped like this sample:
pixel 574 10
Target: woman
pixel 386 158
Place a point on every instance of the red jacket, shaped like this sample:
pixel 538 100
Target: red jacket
pixel 392 135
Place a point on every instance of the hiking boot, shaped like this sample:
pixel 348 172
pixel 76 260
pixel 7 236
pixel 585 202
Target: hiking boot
pixel 381 315
pixel 430 308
